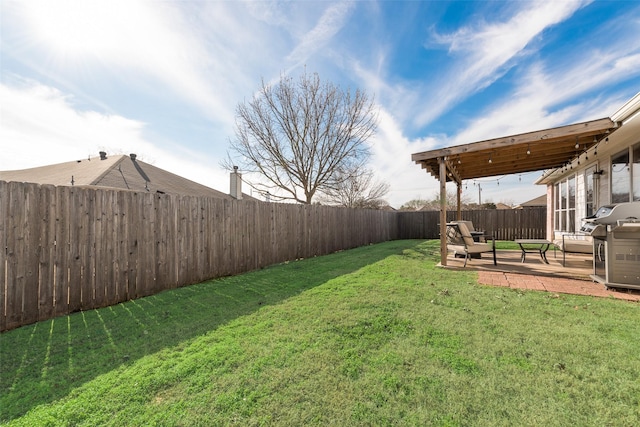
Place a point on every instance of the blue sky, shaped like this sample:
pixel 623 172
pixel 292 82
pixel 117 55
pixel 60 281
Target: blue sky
pixel 163 78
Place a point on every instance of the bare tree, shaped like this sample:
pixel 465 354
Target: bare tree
pixel 434 203
pixel 357 189
pixel 452 201
pixel 299 135
pixel 414 205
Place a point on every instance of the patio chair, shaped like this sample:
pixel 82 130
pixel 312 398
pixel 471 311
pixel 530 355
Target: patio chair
pixel 573 242
pixel 460 241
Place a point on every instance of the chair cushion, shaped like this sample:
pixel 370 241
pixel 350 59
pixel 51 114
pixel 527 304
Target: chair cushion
pixel 466 235
pixel 575 243
pixel 469 225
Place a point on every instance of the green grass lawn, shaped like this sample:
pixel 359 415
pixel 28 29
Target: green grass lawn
pixel 372 336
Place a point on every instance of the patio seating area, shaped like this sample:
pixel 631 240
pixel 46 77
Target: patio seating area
pixel 577 265
pixel 534 274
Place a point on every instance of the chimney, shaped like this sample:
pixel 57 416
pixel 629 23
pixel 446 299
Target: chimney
pixel 103 155
pixel 133 157
pixel 236 184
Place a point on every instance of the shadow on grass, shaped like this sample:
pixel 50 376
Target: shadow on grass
pixel 44 362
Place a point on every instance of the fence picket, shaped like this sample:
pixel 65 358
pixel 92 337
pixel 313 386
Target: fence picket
pixel 78 236
pixel 100 228
pixel 4 248
pixel 133 233
pixel 47 238
pixel 109 261
pixel 146 244
pixel 61 242
pixel 119 249
pixel 15 248
pixel 30 257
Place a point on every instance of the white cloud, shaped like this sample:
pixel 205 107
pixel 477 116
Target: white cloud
pixel 328 25
pixel 40 118
pixel 534 103
pixel 484 54
pixel 399 99
pixel 391 160
pixel 152 38
pixel 41 121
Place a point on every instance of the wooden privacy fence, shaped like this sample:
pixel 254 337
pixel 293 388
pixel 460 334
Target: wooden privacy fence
pixel 507 224
pixel 66 249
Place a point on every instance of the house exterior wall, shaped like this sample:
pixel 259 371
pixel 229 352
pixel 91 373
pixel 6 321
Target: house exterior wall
pixel 550 212
pixel 625 137
pixel 602 185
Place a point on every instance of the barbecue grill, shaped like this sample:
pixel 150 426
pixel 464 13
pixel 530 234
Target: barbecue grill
pixel 616 245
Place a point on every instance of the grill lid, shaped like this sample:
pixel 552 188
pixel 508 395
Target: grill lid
pixel 611 214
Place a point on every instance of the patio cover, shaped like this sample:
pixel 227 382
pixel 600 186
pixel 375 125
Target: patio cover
pixel 547 149
pixel 526 152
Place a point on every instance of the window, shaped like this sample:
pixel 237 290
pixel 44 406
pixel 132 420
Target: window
pixel 565 201
pixel 556 202
pixel 620 177
pixel 625 175
pixel 571 205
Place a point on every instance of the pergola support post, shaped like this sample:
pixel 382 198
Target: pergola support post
pixel 458 199
pixel 443 210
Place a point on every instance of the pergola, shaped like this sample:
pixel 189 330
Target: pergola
pixel 526 152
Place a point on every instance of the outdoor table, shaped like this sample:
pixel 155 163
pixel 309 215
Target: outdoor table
pixel 534 245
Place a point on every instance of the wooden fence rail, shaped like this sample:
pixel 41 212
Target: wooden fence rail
pixel 66 249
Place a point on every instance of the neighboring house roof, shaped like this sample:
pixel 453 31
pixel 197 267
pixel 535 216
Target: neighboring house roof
pixel 502 206
pixel 119 171
pixel 538 201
